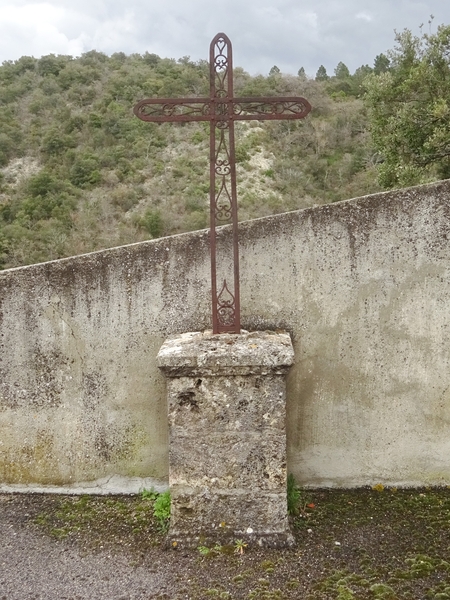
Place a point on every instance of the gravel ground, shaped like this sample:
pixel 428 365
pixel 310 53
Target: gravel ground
pixel 34 565
pixel 365 544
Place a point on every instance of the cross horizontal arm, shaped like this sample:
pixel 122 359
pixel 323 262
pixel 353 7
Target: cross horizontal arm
pixel 165 110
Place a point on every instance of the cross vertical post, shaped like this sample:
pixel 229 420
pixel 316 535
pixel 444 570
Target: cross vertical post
pixel 222 109
pixel 223 193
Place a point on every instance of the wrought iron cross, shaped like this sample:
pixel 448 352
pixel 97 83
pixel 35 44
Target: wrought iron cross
pixel 222 109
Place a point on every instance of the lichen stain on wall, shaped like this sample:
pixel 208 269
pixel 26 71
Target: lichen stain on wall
pixel 31 462
pixel 40 458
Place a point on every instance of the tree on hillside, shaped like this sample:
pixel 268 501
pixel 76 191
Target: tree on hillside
pixel 274 70
pixel 358 78
pixel 321 74
pixel 341 71
pixel 409 109
pixel 381 64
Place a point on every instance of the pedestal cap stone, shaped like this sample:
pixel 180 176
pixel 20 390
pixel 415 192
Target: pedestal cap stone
pixel 203 353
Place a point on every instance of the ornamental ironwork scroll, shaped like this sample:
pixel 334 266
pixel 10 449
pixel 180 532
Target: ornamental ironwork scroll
pixel 222 109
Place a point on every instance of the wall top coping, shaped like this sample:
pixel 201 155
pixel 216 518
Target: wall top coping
pixel 205 353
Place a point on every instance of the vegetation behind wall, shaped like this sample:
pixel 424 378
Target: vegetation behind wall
pixel 78 172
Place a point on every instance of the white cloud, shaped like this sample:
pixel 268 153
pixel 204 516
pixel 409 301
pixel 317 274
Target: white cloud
pixel 364 17
pixel 288 33
pixel 113 34
pixel 33 29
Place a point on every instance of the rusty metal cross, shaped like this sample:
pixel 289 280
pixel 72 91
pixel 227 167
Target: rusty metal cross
pixel 222 109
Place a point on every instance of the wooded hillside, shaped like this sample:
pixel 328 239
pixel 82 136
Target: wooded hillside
pixel 79 172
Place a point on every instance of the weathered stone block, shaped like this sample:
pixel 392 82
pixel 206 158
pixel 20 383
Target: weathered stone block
pixel 228 461
pixel 207 517
pixel 258 403
pixel 227 440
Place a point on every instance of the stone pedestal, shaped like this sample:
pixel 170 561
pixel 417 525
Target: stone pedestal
pixel 227 437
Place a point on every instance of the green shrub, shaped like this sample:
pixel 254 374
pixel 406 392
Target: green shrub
pixel 161 510
pixel 152 222
pixel 293 495
pixel 85 171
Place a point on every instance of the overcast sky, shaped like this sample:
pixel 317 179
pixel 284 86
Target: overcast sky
pixel 286 33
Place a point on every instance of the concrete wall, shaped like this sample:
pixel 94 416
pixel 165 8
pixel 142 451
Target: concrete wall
pixel 363 286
